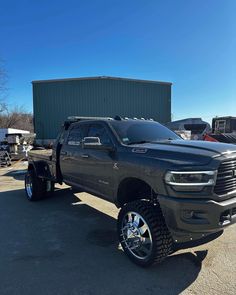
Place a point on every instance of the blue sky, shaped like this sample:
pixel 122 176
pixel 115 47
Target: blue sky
pixel 188 42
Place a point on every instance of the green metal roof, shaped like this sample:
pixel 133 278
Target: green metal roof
pixel 100 77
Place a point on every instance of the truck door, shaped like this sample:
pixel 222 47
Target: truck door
pixel 98 164
pixel 70 155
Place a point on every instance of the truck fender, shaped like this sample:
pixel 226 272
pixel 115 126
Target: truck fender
pixel 41 169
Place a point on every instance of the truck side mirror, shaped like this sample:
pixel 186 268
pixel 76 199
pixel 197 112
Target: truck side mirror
pixel 95 143
pixel 91 141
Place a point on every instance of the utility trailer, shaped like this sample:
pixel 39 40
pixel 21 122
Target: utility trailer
pixel 17 144
pixel 223 130
pixel 191 128
pixel 5 158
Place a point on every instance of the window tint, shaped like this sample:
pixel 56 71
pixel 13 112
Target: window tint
pixel 75 136
pixel 136 131
pixel 97 130
pixel 195 128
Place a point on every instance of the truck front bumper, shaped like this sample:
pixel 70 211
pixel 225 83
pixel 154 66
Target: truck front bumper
pixel 191 219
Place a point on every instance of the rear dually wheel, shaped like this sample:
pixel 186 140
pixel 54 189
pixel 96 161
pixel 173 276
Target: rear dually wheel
pixel 37 188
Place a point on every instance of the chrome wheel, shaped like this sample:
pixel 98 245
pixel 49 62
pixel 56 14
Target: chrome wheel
pixel 29 186
pixel 136 235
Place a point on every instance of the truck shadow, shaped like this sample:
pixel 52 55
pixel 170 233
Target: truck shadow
pixel 16 173
pixel 68 247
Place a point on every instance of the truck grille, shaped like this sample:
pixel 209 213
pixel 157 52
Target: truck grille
pixel 226 178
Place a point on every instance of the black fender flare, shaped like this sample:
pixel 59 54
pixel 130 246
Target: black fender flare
pixel 41 169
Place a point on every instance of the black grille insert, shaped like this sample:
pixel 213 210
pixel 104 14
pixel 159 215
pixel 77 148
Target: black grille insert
pixel 226 178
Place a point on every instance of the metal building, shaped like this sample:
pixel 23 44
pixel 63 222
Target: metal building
pixel 55 100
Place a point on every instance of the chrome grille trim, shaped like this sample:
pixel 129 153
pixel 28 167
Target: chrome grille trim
pixel 226 178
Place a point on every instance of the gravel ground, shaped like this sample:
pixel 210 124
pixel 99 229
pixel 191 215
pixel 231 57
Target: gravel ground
pixel 68 245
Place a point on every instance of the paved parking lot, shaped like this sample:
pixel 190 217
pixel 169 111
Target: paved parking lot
pixel 67 245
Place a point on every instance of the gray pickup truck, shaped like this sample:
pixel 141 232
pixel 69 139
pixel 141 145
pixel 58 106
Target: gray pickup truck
pixel 173 193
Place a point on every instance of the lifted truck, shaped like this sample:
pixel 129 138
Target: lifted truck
pixel 172 193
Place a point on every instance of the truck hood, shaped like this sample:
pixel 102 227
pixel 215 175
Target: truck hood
pixel 189 151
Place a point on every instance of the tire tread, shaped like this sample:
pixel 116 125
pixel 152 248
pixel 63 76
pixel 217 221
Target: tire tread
pixel 162 240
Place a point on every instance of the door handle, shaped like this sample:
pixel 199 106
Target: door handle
pixel 84 155
pixel 63 153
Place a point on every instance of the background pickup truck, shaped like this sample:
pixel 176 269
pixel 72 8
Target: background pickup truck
pixel 172 193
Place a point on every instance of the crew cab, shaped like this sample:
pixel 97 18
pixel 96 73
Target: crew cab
pixel 173 193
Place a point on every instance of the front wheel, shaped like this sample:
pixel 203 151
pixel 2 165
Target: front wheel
pixel 143 233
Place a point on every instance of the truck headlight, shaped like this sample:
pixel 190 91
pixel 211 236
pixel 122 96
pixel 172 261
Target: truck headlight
pixel 190 180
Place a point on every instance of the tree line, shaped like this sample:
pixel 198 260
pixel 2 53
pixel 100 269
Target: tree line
pixel 16 118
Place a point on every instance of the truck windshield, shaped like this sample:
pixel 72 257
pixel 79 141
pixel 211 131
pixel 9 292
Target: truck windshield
pixel 137 132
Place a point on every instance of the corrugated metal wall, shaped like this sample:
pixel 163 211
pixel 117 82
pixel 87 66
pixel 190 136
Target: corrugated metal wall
pixel 55 100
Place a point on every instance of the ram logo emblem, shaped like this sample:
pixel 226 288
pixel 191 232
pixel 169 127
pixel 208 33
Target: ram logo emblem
pixel 115 166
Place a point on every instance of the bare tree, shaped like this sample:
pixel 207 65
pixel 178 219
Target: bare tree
pixel 3 78
pixel 15 117
pixel 3 106
pixel 3 89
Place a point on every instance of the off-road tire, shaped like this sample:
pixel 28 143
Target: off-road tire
pixel 39 187
pixel 161 238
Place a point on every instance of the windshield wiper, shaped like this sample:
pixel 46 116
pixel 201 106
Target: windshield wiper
pixel 166 139
pixel 149 141
pixel 138 142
